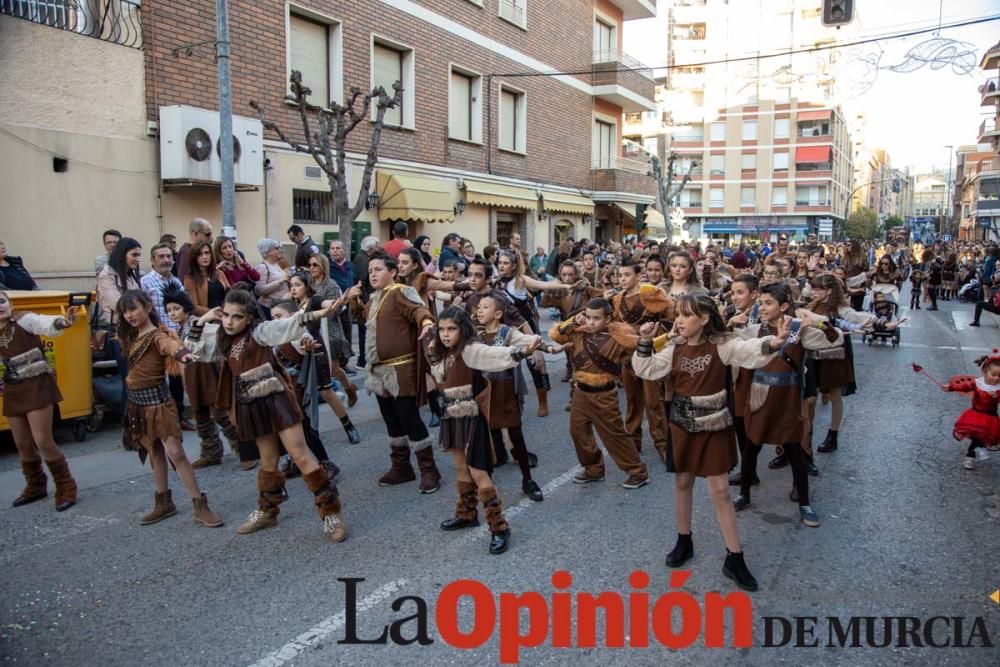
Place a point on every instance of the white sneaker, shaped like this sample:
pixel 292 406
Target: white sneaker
pixel 970 463
pixel 982 454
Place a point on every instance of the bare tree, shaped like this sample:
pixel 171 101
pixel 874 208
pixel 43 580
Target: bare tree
pixel 667 189
pixel 326 131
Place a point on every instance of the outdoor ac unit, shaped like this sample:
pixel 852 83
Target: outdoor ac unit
pixel 190 148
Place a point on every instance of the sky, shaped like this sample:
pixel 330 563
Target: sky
pixel 914 115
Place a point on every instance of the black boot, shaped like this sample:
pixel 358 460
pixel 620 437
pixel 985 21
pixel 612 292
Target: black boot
pixel 779 461
pixel 736 569
pixel 530 488
pixel 830 444
pixel 352 432
pixel 682 552
pixel 499 542
pixel 811 467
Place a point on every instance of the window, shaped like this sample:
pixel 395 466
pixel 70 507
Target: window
pixel 465 115
pixel 750 130
pixel 513 11
pixel 781 128
pixel 513 115
pixel 715 197
pixel 748 162
pixel 312 207
pixel 717 165
pixel 718 132
pixel 314 49
pixel 811 195
pixel 779 196
pixel 651 145
pixel 392 63
pixel 690 133
pixel 781 161
pixel 748 196
pixel 604 145
pixel 605 42
pixel 690 198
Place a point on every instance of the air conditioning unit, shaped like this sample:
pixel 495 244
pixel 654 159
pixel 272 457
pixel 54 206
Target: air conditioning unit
pixel 190 149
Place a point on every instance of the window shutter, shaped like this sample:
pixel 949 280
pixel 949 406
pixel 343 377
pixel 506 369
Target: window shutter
pixel 389 70
pixel 508 126
pixel 310 55
pixel 460 103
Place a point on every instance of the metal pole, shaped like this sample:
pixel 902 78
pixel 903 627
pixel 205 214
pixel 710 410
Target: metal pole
pixel 225 114
pixel 947 189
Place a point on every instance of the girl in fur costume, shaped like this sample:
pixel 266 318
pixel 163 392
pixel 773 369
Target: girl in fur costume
pixel 458 362
pixel 152 425
pixel 695 357
pixel 262 404
pixel 29 394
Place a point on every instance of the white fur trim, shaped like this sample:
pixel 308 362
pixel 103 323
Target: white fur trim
pixel 716 400
pixel 758 396
pixel 458 393
pixel 717 421
pixel 421 445
pixel 398 442
pixel 467 408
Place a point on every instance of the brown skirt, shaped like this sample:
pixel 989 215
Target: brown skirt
pixel 145 424
pixel 20 398
pixel 505 407
pixel 703 454
pixel 471 435
pixel 200 382
pixel 833 374
pixel 266 416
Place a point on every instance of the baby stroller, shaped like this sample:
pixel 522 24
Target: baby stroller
pixel 969 292
pixel 886 308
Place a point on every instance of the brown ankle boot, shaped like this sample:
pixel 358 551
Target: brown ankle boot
pixel 327 500
pixel 164 508
pixel 65 484
pixel 352 394
pixel 543 402
pixel 36 483
pixel 401 470
pixel 203 515
pixel 271 489
pixel 430 478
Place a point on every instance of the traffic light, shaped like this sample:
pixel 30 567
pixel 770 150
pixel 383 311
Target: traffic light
pixel 837 12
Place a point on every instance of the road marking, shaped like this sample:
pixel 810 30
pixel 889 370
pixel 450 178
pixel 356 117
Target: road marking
pixel 946 347
pixel 334 623
pixel 327 627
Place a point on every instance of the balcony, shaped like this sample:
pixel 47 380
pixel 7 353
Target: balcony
pixel 989 168
pixel 991 59
pixel 623 81
pixel 116 21
pixel 990 92
pixel 681 80
pixel 688 32
pixel 619 174
pixel 988 128
pixel 689 11
pixel 636 9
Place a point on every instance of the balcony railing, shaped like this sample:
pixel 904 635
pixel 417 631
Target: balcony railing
pixel 987 126
pixel 602 56
pixel 621 163
pixel 814 130
pixel 115 21
pixel 512 11
pixel 990 165
pixel 990 86
pixel 812 202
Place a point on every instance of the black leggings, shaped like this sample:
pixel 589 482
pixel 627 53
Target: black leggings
pixel 517 446
pixel 987 306
pixel 797 459
pixel 402 417
pixel 932 291
pixel 973 444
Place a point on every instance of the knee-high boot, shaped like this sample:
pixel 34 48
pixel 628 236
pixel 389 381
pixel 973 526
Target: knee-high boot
pixel 401 470
pixel 65 484
pixel 36 483
pixel 271 489
pixel 499 528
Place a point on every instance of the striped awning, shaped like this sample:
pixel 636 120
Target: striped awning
pixel 409 197
pixel 567 203
pixel 494 194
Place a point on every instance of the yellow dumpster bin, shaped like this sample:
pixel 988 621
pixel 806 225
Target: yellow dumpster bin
pixel 69 355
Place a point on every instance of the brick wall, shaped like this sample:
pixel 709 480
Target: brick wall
pixel 558 116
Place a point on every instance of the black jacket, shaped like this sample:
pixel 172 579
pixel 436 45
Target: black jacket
pixel 16 274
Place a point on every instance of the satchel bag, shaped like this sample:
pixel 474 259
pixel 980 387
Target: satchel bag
pixel 258 383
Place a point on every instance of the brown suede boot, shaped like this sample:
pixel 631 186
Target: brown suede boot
pixel 36 483
pixel 352 394
pixel 271 486
pixel 65 484
pixel 164 508
pixel 543 402
pixel 327 500
pixel 499 528
pixel 203 515
pixel 401 470
pixel 466 515
pixel 430 478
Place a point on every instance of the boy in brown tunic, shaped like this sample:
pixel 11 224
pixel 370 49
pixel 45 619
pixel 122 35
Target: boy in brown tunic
pixel 597 364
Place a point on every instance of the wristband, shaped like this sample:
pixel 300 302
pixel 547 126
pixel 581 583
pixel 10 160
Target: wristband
pixel 645 347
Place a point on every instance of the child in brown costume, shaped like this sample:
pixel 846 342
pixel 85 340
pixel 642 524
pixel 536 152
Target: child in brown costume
pixel 152 425
pixel 29 394
pixel 697 358
pixel 569 302
pixel 458 362
pixel 258 394
pixel 597 362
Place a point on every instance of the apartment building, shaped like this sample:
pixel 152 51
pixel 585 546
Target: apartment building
pixel 978 185
pixel 501 130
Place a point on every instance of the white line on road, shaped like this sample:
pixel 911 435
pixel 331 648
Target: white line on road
pixel 327 627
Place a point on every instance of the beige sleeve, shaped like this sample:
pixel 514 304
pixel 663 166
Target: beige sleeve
pixel 746 353
pixel 40 325
pixel 656 366
pixel 488 358
pixel 279 332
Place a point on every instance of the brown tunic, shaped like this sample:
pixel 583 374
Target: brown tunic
pixel 501 392
pixel 570 301
pixel 779 420
pixel 149 370
pixel 394 323
pixel 35 393
pixel 833 373
pixel 697 370
pixel 597 357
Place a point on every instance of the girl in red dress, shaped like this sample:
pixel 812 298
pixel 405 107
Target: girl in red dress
pixel 980 423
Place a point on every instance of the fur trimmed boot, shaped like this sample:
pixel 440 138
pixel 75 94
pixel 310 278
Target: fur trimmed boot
pixel 65 484
pixel 401 470
pixel 466 513
pixel 163 509
pixel 204 515
pixel 211 444
pixel 36 483
pixel 543 402
pixel 327 500
pixel 430 478
pixel 271 487
pixel 499 528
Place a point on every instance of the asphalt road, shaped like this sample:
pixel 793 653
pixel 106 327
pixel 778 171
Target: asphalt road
pixel 905 532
